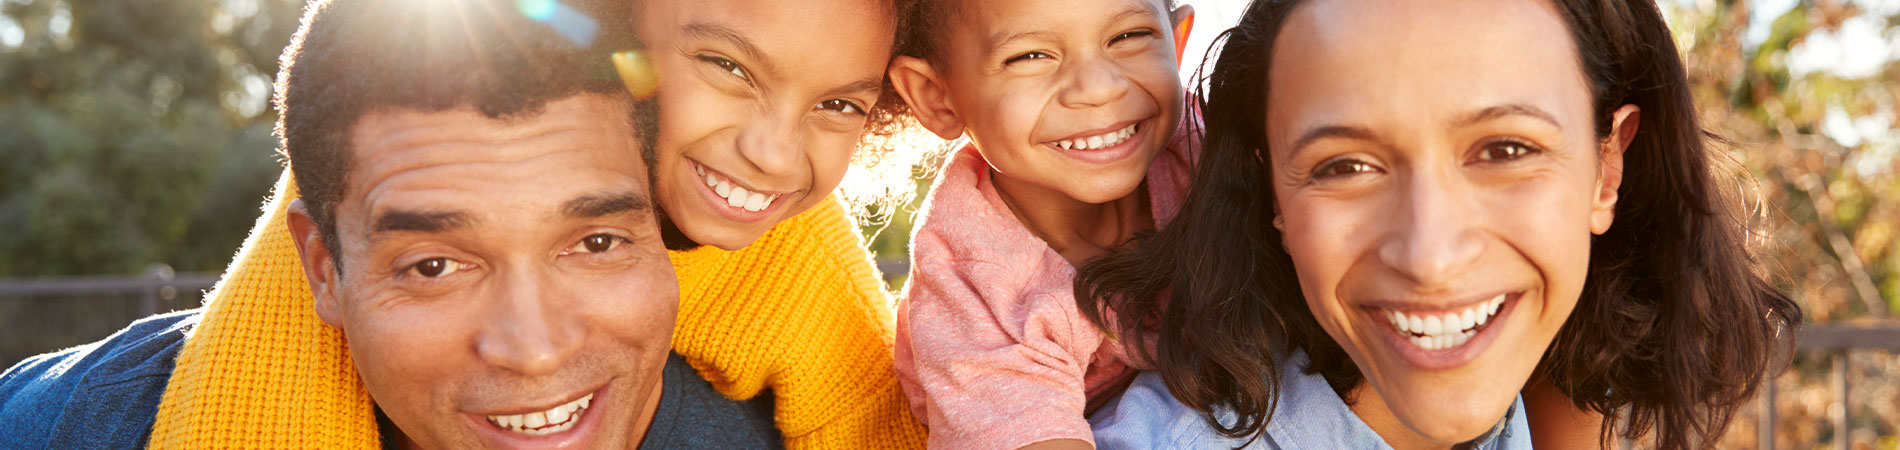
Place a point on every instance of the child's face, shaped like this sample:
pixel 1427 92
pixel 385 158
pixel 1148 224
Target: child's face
pixel 1440 179
pixel 1073 96
pixel 762 103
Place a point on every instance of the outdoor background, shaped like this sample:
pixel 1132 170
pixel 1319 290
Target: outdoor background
pixel 135 151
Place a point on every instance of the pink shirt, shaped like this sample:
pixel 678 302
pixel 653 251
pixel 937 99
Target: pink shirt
pixel 991 348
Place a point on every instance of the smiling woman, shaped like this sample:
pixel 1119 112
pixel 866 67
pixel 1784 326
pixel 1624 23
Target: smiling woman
pixel 1427 221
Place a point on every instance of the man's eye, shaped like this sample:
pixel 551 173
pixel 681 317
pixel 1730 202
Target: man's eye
pixel 599 243
pixel 841 105
pixel 1343 167
pixel 1505 151
pixel 1026 57
pixel 435 267
pixel 728 65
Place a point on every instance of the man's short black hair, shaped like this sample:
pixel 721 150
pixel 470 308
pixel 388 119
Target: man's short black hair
pixel 504 58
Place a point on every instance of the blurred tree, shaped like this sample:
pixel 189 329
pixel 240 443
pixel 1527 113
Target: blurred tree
pixel 134 131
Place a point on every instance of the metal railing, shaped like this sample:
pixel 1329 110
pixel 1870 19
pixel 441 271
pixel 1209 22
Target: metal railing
pixel 156 287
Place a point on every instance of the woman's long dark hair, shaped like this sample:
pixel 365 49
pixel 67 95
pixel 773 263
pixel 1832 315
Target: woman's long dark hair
pixel 1675 324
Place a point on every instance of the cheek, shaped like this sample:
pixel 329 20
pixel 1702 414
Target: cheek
pixel 406 355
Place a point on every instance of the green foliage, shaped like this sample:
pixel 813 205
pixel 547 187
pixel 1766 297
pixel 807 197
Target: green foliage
pixel 134 131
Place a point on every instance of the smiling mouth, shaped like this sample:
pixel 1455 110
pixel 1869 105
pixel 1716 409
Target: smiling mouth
pixel 736 196
pixel 549 421
pixel 1100 141
pixel 1444 331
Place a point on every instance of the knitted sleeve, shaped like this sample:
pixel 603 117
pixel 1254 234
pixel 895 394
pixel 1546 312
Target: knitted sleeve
pixel 800 311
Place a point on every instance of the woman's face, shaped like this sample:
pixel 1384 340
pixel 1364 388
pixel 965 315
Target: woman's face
pixel 762 104
pixel 1439 179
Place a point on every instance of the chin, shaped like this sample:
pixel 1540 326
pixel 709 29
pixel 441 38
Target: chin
pixel 1448 415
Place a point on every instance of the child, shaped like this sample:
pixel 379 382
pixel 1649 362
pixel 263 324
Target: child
pixel 1397 227
pixel 1072 109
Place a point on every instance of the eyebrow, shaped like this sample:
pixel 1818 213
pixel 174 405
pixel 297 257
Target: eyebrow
pixel 602 205
pixel 998 41
pixel 399 220
pixel 703 30
pixel 864 86
pixel 1506 110
pixel 1333 132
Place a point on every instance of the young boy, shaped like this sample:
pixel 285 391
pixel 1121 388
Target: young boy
pixel 1072 109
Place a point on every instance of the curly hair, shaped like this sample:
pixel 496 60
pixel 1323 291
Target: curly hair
pixel 1675 325
pixel 353 57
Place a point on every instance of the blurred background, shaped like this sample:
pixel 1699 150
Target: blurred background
pixel 135 152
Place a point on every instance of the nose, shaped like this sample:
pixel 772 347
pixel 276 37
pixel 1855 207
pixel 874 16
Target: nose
pixel 1096 82
pixel 1437 236
pixel 525 332
pixel 771 143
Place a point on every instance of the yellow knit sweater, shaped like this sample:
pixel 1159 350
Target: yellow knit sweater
pixel 800 311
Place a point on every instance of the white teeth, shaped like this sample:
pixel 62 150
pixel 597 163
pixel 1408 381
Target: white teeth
pixel 553 420
pixel 737 197
pixel 1442 331
pixel 755 202
pixel 1109 139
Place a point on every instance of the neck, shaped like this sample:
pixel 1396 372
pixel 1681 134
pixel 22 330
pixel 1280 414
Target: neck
pixel 1372 410
pixel 1074 229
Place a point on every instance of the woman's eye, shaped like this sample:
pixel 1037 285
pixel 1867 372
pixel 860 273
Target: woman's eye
pixel 435 267
pixel 728 65
pixel 599 243
pixel 1027 57
pixel 841 106
pixel 1505 151
pixel 1343 167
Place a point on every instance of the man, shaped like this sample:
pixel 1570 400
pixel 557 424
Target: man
pixel 477 226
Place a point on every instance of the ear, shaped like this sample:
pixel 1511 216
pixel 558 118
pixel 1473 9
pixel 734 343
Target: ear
pixel 1183 17
pixel 1623 125
pixel 929 98
pixel 319 266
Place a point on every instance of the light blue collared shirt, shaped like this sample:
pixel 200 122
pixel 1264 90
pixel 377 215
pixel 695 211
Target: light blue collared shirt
pixel 1309 416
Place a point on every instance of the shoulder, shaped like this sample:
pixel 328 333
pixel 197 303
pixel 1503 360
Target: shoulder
pixel 694 415
pixel 964 227
pixel 103 394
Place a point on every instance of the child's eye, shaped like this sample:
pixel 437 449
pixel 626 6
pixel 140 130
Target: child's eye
pixel 728 65
pixel 1338 168
pixel 1505 151
pixel 1026 57
pixel 598 243
pixel 841 106
pixel 1131 35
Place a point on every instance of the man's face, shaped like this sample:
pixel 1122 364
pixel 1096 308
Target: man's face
pixel 504 283
pixel 763 103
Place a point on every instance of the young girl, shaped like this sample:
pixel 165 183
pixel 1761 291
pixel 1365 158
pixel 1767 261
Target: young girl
pixel 1071 108
pixel 1402 229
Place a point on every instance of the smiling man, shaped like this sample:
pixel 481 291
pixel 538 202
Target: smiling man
pixel 476 223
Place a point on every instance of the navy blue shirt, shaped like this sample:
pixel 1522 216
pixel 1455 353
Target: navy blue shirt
pixel 106 394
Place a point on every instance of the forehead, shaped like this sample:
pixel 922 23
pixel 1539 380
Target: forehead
pixel 1425 57
pixel 1046 14
pixel 461 159
pixel 797 35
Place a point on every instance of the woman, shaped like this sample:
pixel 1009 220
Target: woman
pixel 1400 225
pixel 782 295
